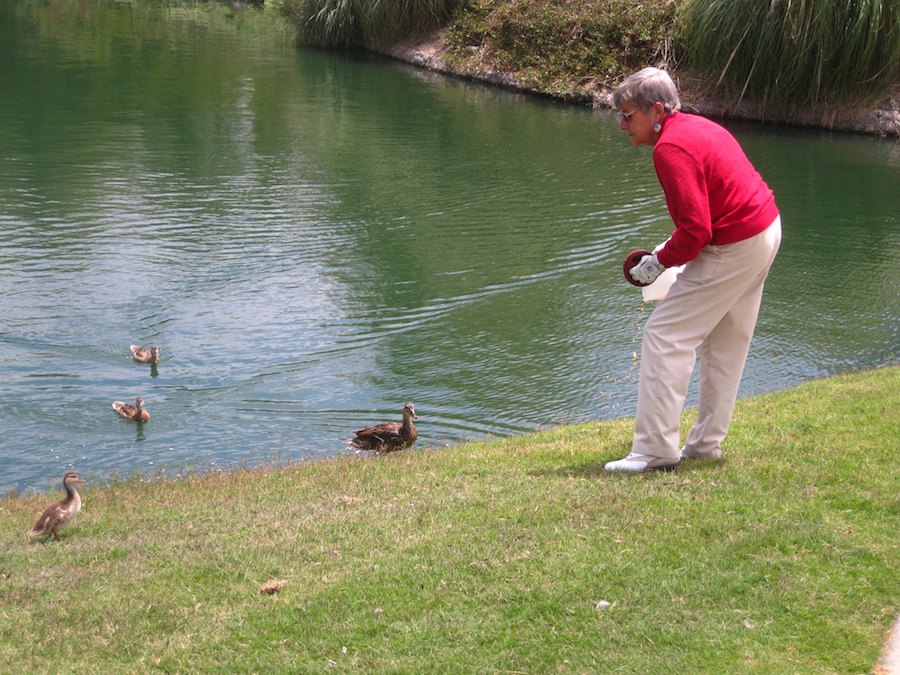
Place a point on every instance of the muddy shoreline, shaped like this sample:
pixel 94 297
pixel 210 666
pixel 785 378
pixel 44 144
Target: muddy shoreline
pixel 881 121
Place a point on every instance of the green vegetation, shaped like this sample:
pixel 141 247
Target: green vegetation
pixel 488 557
pixel 362 23
pixel 792 54
pixel 561 47
pixel 783 55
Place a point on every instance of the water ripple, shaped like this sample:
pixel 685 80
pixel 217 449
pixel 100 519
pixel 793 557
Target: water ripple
pixel 309 251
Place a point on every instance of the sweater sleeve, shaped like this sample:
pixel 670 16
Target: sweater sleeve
pixel 687 198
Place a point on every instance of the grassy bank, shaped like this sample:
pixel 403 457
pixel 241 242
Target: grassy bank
pixel 818 64
pixel 562 48
pixel 489 557
pixel 787 57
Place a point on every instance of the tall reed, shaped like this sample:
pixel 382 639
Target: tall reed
pixel 363 23
pixel 787 54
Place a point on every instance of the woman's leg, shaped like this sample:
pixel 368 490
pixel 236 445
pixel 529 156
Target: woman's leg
pixel 700 299
pixel 722 357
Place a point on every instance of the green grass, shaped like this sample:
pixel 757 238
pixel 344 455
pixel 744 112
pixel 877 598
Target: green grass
pixel 488 557
pixel 789 55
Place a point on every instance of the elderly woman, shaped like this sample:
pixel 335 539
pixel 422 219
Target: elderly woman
pixel 727 233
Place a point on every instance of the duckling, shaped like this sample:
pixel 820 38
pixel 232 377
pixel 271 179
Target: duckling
pixel 135 412
pixel 390 435
pixel 145 355
pixel 58 515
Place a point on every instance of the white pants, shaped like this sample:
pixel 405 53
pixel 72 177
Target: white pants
pixel 710 311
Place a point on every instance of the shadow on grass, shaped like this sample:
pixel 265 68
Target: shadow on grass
pixel 595 469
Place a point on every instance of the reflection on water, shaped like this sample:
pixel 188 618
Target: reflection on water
pixel 314 239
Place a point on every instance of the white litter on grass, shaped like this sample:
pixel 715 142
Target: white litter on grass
pixel 603 604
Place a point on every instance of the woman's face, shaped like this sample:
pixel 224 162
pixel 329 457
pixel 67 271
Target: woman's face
pixel 639 124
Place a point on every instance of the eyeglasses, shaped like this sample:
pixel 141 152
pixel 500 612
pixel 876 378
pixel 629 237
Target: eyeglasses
pixel 625 116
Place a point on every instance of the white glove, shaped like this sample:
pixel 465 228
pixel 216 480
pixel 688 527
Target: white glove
pixel 647 270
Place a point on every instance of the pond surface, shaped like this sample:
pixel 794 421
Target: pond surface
pixel 313 239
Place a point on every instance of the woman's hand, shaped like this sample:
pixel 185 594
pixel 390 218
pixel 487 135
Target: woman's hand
pixel 647 270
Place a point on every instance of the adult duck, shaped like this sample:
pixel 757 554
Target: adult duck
pixel 145 355
pixel 136 412
pixel 58 515
pixel 390 435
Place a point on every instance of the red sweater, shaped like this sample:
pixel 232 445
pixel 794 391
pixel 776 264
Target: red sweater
pixel 713 193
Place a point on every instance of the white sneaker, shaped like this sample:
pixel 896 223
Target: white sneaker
pixel 637 463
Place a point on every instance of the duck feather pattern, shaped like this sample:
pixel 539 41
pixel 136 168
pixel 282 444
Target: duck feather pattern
pixel 132 411
pixel 389 436
pixel 58 515
pixel 145 355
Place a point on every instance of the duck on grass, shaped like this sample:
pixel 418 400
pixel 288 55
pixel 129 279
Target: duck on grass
pixel 58 515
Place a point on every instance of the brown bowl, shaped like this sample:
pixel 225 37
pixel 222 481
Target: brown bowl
pixel 631 260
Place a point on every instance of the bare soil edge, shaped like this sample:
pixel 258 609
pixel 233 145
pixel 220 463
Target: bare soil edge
pixel 883 120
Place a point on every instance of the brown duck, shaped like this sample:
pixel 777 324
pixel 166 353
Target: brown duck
pixel 136 412
pixel 390 435
pixel 145 355
pixel 58 515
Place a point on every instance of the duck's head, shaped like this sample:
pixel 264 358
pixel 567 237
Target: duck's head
pixel 410 409
pixel 140 402
pixel 71 477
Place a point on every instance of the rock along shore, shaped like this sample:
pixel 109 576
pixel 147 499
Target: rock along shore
pixel 882 120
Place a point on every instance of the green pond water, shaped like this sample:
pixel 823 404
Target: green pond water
pixel 313 239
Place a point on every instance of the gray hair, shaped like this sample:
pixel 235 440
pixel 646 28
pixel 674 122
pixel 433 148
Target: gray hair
pixel 646 87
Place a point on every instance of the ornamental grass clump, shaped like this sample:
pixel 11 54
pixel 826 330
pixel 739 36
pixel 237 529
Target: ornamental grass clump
pixel 790 55
pixel 362 23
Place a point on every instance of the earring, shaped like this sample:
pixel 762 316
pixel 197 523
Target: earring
pixel 657 127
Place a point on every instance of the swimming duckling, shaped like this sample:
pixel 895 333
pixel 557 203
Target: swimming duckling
pixel 390 435
pixel 58 515
pixel 135 412
pixel 145 355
